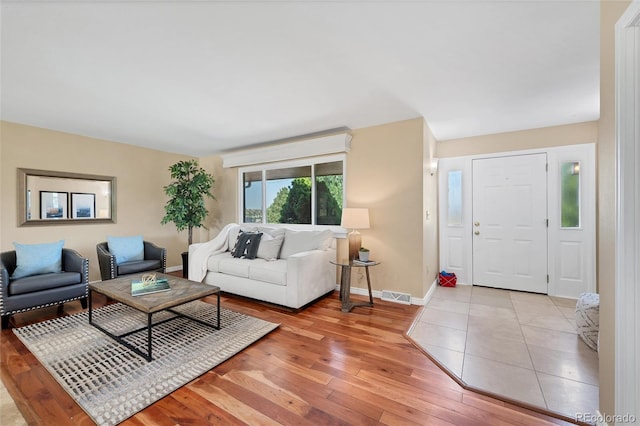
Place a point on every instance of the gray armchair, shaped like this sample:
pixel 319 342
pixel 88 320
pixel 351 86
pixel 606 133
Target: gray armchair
pixel 155 260
pixel 39 291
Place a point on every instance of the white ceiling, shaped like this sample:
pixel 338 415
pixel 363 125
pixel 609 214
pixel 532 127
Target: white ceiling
pixel 200 77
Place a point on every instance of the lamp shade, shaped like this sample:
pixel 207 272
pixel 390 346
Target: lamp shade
pixel 355 218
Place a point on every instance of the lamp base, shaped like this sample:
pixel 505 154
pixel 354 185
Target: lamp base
pixel 354 244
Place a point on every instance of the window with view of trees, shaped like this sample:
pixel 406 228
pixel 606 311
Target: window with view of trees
pixel 303 194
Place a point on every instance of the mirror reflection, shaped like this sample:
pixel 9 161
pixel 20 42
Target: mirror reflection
pixel 49 197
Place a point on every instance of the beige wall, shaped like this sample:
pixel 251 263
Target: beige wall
pixel 569 134
pixel 430 205
pixel 384 174
pixel 610 12
pixel 224 209
pixel 141 175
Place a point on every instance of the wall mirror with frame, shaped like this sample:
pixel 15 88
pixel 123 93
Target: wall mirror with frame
pixel 48 197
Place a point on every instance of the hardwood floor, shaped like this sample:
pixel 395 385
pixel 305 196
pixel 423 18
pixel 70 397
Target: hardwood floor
pixel 320 367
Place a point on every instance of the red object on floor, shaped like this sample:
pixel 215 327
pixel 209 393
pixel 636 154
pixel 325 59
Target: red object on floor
pixel 447 280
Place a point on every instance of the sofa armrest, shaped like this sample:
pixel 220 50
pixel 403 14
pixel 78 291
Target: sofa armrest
pixel 194 246
pixel 152 251
pixel 72 261
pixel 310 275
pixel 9 261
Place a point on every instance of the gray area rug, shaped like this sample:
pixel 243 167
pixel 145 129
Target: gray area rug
pixel 112 383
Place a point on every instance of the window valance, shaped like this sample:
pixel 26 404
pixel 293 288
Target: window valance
pixel 324 145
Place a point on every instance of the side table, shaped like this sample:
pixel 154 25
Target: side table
pixel 345 282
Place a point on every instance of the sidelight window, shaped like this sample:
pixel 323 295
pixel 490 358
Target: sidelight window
pixel 570 194
pixel 454 199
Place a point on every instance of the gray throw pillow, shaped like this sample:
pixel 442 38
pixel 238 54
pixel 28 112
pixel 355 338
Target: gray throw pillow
pixel 270 244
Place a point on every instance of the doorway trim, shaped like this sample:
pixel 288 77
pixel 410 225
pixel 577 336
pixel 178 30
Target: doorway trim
pixel 627 291
pixel 455 241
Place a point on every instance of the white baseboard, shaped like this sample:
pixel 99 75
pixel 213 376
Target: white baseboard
pixel 378 294
pixel 430 292
pixel 173 268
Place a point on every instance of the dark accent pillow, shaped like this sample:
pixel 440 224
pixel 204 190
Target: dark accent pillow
pixel 247 245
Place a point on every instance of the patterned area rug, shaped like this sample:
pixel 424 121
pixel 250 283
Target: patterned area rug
pixel 110 382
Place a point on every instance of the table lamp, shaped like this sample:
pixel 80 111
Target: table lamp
pixel 354 219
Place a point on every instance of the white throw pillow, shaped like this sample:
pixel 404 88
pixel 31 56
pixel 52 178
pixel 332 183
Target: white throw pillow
pixel 299 241
pixel 270 244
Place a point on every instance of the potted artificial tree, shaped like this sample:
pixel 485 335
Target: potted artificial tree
pixel 186 205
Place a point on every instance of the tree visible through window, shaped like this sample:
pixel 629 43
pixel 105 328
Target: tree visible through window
pixel 289 193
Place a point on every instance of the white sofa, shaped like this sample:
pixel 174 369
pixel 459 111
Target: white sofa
pixel 297 274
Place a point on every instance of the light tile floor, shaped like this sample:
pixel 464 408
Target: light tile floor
pixel 522 346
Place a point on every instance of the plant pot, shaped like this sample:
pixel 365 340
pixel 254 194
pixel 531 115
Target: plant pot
pixel 185 264
pixel 363 256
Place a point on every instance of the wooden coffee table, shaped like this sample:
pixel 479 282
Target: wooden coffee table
pixel 182 291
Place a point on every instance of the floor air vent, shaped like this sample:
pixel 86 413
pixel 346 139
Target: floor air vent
pixel 394 296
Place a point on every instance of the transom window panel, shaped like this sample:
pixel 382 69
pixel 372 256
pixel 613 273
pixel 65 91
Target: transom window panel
pixel 309 193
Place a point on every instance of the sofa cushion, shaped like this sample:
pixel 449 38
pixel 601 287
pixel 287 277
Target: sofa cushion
pixel 126 249
pixel 270 244
pixel 235 267
pixel 127 268
pixel 213 262
pixel 44 282
pixel 274 272
pixel 35 259
pixel 299 241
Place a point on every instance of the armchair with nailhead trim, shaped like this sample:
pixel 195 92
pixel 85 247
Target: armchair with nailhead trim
pixel 42 290
pixel 155 260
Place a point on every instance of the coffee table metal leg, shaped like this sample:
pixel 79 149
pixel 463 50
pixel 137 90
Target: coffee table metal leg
pixel 90 307
pixel 148 327
pixel 149 358
pixel 218 294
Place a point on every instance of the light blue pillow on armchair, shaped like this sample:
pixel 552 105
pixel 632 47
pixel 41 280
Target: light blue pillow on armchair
pixel 126 249
pixel 36 259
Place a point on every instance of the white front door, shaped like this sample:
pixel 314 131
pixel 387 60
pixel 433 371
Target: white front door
pixel 510 222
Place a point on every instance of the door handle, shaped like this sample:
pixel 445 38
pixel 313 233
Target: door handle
pixel 477 232
pixel 477 223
